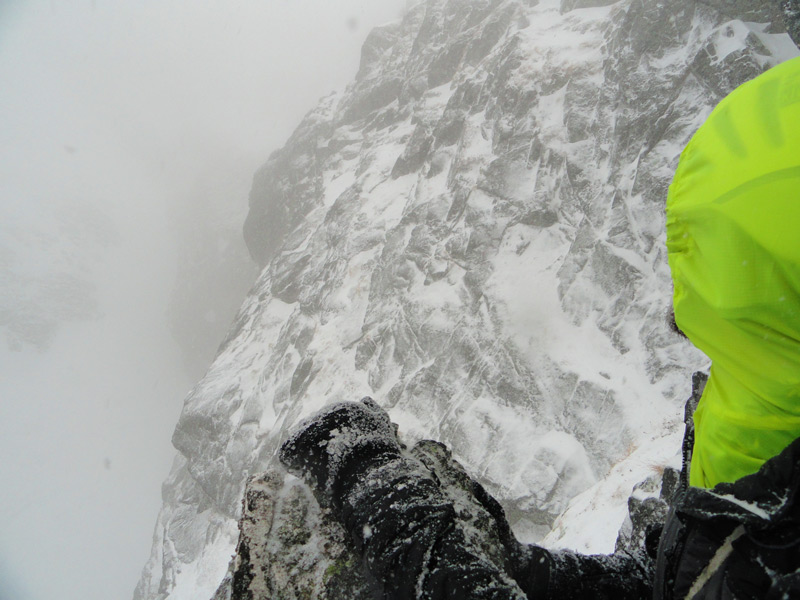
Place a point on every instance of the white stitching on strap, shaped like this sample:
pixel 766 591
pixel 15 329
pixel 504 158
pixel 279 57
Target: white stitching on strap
pixel 715 563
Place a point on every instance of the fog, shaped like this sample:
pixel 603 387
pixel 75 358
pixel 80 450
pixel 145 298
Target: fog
pixel 129 133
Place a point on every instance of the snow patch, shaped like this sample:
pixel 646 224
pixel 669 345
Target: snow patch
pixel 592 520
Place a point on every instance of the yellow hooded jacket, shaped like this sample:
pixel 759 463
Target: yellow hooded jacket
pixel 733 238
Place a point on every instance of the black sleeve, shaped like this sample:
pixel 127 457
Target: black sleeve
pixel 738 539
pixel 617 576
pixel 392 508
pixel 408 534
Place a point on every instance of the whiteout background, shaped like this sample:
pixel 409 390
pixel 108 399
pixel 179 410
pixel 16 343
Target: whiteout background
pixel 115 119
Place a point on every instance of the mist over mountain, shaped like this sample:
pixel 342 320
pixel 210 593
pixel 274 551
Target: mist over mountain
pixel 472 234
pixel 214 270
pixel 129 134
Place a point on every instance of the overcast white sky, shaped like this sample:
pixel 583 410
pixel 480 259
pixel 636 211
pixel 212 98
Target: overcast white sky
pixel 112 113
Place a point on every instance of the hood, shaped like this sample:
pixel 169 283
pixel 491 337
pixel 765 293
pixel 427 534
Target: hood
pixel 733 238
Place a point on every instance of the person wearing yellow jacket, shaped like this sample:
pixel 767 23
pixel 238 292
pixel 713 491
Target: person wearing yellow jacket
pixel 733 237
pixel 733 240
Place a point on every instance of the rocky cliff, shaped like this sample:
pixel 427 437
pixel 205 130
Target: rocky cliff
pixel 472 234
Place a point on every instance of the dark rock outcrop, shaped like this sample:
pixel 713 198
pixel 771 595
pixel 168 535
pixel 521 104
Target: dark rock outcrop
pixel 791 18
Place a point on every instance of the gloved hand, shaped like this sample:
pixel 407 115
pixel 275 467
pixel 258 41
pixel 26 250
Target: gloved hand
pixel 338 443
pixel 392 507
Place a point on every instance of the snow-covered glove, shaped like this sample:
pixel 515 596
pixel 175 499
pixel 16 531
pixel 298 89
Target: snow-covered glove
pixel 331 448
pixel 393 509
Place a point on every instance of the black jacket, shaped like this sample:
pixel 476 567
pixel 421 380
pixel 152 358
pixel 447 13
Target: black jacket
pixel 737 540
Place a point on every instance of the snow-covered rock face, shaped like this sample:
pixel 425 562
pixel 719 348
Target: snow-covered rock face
pixel 472 234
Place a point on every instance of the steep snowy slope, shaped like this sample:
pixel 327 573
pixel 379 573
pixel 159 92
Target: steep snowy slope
pixel 472 233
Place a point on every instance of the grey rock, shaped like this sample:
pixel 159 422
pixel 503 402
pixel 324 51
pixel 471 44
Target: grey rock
pixel 287 187
pixel 791 18
pixel 415 153
pixel 648 507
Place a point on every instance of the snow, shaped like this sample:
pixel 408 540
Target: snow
pixel 569 44
pixel 730 38
pixel 336 182
pixel 553 459
pixel 526 285
pixel 389 200
pixel 748 506
pixel 593 518
pixel 551 121
pixel 733 36
pixel 780 45
pixel 196 578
